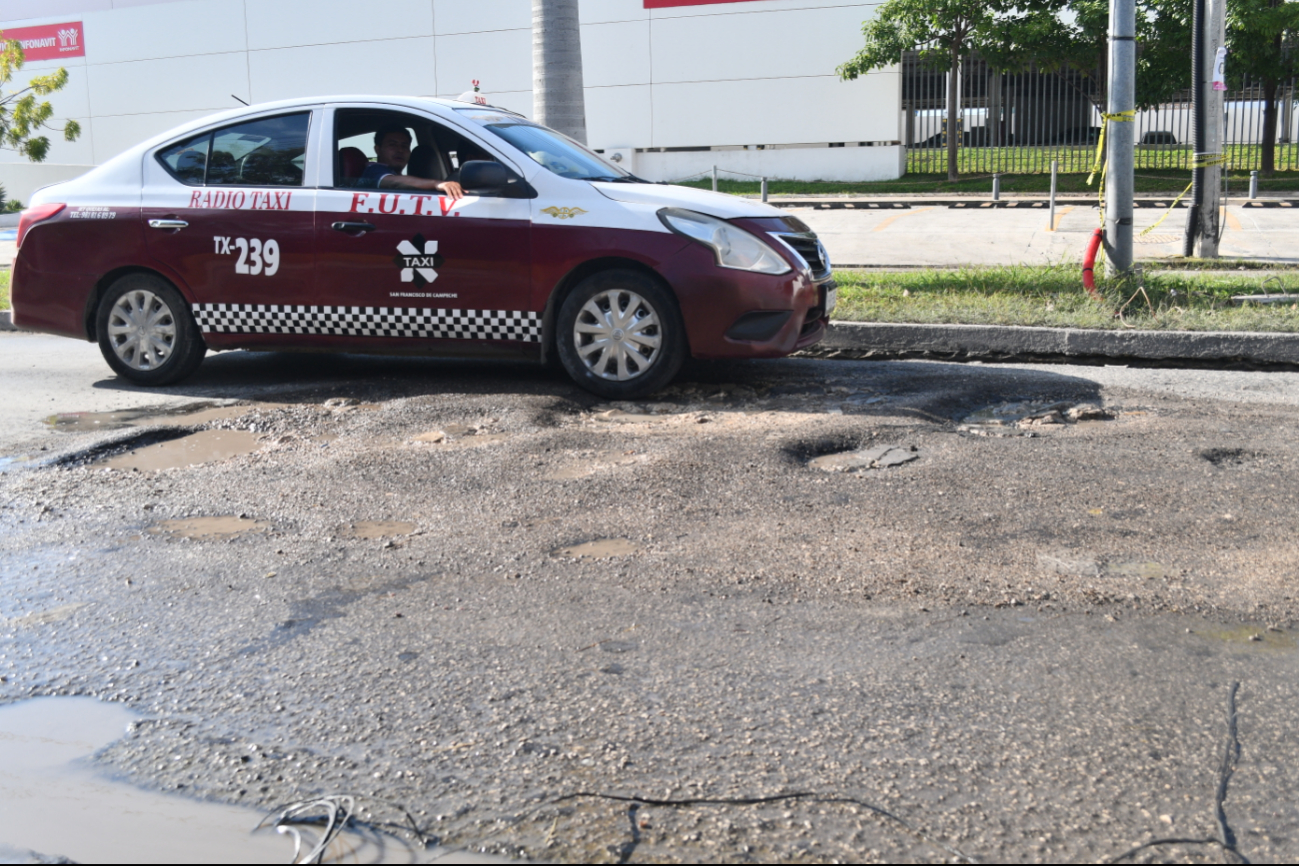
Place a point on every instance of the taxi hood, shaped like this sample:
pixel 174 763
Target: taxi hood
pixel 703 201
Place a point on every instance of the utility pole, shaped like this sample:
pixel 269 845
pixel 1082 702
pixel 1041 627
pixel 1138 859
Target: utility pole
pixel 558 97
pixel 1212 87
pixel 1119 137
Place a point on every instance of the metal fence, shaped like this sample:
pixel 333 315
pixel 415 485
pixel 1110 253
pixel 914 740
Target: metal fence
pixel 1021 122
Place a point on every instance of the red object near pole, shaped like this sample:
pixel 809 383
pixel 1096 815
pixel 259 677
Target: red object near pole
pixel 1089 264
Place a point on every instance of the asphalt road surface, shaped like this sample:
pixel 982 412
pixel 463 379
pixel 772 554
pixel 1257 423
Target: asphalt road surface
pixel 479 592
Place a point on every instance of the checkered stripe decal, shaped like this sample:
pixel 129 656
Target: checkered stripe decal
pixel 369 322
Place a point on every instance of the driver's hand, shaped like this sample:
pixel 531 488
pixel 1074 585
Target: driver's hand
pixel 453 189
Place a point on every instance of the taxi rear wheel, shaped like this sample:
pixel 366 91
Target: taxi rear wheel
pixel 620 334
pixel 146 333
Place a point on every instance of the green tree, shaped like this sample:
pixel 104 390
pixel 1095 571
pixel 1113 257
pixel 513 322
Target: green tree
pixel 1060 35
pixel 21 116
pixel 1261 39
pixel 943 31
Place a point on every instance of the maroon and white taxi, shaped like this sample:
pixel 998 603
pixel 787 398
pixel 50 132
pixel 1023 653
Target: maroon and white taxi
pixel 269 228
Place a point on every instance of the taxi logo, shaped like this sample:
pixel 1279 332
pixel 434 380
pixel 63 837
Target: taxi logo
pixel 418 259
pixel 563 213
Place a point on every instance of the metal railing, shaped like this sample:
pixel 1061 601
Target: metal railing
pixel 1021 122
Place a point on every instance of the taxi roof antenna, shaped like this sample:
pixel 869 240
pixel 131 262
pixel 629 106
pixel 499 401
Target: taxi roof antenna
pixel 232 96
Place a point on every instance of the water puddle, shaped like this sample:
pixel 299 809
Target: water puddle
pixel 189 416
pixel 617 416
pixel 879 457
pixel 47 617
pixel 370 529
pixel 460 436
pixel 592 465
pixel 206 446
pixel 602 549
pixel 7 462
pixel 1254 637
pixel 209 528
pixel 55 805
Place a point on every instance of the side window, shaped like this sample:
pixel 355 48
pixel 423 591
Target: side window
pixel 267 152
pixel 424 149
pixel 187 161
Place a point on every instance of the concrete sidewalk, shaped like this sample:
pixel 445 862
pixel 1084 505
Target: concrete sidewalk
pixel 936 235
pixel 933 235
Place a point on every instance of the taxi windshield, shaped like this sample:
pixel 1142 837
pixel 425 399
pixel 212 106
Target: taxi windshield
pixel 547 148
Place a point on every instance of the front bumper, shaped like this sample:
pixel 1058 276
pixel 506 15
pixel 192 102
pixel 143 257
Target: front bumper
pixel 737 314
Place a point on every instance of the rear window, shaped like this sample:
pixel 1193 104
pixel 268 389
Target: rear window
pixel 269 151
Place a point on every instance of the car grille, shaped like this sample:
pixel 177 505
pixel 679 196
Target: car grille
pixel 807 246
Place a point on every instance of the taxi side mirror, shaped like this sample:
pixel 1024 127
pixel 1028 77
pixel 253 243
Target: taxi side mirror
pixel 485 178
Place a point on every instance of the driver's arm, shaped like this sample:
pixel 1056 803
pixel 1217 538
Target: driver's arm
pixel 401 181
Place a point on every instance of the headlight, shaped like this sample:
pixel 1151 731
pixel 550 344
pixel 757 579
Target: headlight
pixel 733 246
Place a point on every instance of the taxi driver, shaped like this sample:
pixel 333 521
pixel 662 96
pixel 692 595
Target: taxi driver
pixel 391 154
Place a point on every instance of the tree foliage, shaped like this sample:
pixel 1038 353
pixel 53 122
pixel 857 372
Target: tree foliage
pixel 943 31
pixel 1263 41
pixel 22 117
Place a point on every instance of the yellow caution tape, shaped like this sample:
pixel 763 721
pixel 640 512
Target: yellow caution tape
pixel 1101 164
pixel 1200 160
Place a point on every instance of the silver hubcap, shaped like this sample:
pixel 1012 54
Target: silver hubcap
pixel 142 330
pixel 617 335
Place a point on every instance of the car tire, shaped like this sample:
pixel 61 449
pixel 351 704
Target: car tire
pixel 146 332
pixel 619 334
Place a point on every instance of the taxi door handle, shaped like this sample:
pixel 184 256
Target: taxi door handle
pixel 168 224
pixel 359 228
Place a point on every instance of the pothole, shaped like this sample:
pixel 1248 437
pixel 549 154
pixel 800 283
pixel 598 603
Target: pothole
pixel 1028 414
pixel 371 529
pixel 1229 456
pixel 206 446
pixel 192 415
pixel 461 436
pixel 602 549
pixel 879 457
pixel 209 528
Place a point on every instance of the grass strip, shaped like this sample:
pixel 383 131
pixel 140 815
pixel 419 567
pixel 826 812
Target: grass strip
pixel 1149 181
pixel 1054 297
pixel 4 290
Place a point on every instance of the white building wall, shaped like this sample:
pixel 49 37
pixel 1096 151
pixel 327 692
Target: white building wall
pixel 750 73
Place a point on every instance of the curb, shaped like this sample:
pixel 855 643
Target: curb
pixel 1009 342
pixel 7 321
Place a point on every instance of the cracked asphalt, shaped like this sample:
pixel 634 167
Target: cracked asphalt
pixel 482 593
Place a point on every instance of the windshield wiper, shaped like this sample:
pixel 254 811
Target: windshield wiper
pixel 630 178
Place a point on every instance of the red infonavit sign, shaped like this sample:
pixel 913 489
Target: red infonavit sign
pixel 49 41
pixel 664 4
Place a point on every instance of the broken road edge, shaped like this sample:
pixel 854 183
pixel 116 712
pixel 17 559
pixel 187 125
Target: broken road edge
pixel 864 340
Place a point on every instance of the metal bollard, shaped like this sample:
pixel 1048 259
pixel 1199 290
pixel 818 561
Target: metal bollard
pixel 764 189
pixel 1055 168
pixel 996 187
pixel 1253 184
pixel 714 178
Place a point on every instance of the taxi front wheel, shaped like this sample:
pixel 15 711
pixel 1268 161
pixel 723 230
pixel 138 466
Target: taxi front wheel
pixel 146 333
pixel 620 335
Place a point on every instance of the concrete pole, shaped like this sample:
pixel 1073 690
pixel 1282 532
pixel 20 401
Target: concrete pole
pixel 1119 137
pixel 1215 36
pixel 558 96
